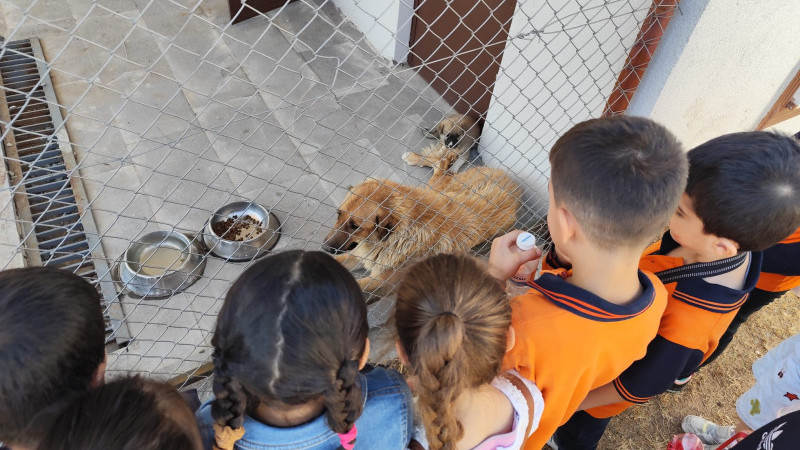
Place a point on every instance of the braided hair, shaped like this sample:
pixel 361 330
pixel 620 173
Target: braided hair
pixel 451 319
pixel 292 330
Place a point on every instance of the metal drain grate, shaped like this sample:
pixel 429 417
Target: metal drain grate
pixel 57 227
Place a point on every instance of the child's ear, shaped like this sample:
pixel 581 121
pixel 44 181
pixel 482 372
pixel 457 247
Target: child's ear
pixel 99 375
pixel 567 223
pixel 511 338
pixel 364 356
pixel 725 247
pixel 401 353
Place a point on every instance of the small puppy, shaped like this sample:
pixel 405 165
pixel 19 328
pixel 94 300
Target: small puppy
pixel 456 133
pixel 382 225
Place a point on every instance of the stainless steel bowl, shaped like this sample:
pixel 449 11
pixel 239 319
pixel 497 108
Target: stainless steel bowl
pixel 248 249
pixel 160 264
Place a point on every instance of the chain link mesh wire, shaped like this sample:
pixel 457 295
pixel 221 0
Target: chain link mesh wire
pixel 171 111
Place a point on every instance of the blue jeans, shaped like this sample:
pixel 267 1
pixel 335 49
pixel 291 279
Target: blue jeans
pixel 386 422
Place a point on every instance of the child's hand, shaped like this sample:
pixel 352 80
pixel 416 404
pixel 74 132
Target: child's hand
pixel 505 258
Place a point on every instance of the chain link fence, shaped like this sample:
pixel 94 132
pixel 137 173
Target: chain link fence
pixel 140 116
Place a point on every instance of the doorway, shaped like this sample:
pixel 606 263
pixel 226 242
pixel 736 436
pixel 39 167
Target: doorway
pixel 458 47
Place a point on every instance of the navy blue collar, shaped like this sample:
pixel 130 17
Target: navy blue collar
pixel 588 305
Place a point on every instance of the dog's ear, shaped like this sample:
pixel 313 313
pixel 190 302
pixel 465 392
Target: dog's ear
pixel 443 126
pixel 384 225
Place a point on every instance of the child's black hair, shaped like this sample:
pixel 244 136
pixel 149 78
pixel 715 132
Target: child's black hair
pixel 125 414
pixel 292 330
pixel 746 187
pixel 622 177
pixel 52 341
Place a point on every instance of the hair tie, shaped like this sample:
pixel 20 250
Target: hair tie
pixel 225 437
pixel 348 440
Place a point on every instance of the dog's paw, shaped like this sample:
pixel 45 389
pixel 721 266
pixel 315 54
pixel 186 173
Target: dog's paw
pixel 447 161
pixel 412 158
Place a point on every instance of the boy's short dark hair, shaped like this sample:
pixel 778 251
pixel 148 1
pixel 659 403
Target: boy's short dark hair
pixel 52 340
pixel 125 414
pixel 621 177
pixel 746 187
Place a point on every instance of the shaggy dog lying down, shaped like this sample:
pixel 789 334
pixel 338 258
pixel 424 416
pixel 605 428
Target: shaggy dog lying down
pixel 382 225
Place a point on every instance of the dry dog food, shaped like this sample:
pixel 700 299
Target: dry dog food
pixel 236 229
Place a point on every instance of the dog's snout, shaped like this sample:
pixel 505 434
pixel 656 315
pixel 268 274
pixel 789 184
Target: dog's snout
pixel 451 140
pixel 338 243
pixel 331 250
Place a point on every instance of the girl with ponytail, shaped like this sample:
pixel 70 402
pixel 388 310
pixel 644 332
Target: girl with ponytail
pixel 453 323
pixel 290 349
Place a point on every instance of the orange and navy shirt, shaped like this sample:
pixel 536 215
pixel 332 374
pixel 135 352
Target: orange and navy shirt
pixel 697 315
pixel 570 341
pixel 780 270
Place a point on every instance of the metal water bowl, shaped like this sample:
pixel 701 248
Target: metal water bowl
pixel 264 231
pixel 160 264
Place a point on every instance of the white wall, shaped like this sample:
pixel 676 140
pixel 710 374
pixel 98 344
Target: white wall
pixel 385 23
pixel 551 81
pixel 721 67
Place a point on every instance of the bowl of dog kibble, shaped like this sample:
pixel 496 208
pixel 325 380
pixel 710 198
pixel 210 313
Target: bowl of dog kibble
pixel 241 231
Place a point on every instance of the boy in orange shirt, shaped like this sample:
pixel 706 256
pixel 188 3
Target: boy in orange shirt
pixel 614 185
pixel 742 196
pixel 780 273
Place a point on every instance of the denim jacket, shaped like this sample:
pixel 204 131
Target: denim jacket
pixel 385 424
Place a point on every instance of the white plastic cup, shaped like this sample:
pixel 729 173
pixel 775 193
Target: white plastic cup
pixel 518 284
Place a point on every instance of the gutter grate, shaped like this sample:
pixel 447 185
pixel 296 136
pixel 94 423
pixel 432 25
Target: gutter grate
pixel 57 226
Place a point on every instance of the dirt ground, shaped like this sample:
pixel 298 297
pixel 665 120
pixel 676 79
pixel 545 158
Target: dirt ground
pixel 714 390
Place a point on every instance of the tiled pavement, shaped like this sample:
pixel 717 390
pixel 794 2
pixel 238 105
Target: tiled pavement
pixel 172 113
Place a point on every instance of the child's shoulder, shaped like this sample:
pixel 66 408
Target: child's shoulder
pixel 723 293
pixel 386 391
pixel 707 280
pixel 388 409
pixel 205 422
pixel 382 381
pixel 553 298
pixel 203 414
pixel 523 393
pixel 742 278
pixel 536 305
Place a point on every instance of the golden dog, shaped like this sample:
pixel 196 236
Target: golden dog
pixel 456 133
pixel 382 225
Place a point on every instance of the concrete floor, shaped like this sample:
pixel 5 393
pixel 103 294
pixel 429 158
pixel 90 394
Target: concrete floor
pixel 173 113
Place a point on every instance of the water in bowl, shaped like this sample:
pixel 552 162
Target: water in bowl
pixel 158 260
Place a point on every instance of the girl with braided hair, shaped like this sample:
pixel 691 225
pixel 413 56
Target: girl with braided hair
pixel 453 323
pixel 289 349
